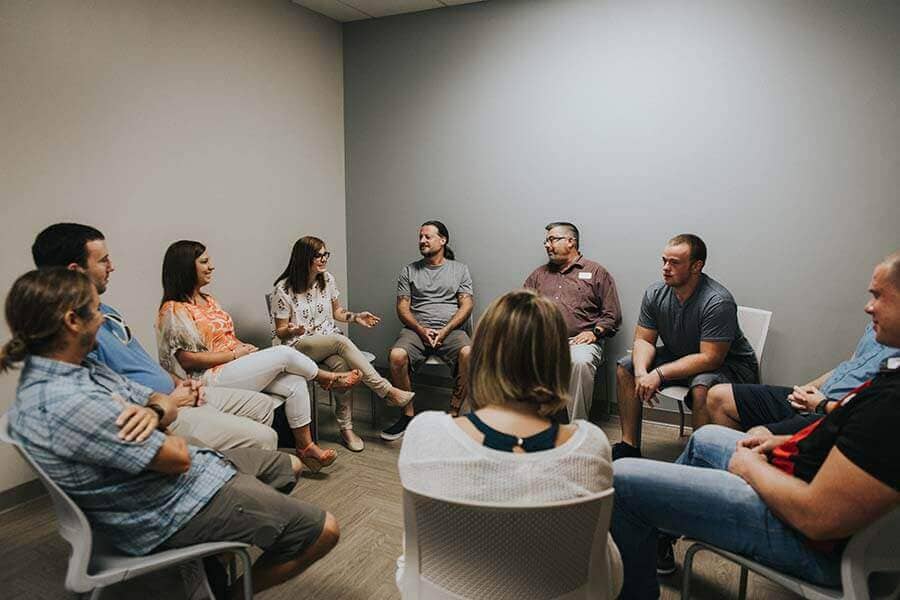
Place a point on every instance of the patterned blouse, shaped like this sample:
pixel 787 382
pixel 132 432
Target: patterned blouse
pixel 312 308
pixel 193 328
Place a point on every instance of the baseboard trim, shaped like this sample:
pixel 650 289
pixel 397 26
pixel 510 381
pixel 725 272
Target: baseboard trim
pixel 21 494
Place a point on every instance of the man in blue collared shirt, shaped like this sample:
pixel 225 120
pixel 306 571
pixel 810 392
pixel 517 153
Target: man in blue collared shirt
pixel 225 418
pixel 780 410
pixel 100 437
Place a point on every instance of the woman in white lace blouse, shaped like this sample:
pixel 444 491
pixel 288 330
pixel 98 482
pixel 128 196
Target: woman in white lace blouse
pixel 305 305
pixel 510 450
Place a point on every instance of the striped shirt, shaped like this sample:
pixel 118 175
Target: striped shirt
pixel 65 417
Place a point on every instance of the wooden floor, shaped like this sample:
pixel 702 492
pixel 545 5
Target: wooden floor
pixel 363 492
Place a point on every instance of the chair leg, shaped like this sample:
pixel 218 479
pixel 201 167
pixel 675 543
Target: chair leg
pixel 688 567
pixel 95 593
pixel 681 411
pixel 248 573
pixel 374 399
pixel 742 588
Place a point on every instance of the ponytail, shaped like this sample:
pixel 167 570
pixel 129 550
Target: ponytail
pixel 14 351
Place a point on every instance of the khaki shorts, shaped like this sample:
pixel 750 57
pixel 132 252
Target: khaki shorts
pixel 417 351
pixel 249 509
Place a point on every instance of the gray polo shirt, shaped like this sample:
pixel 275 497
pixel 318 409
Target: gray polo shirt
pixel 432 290
pixel 709 315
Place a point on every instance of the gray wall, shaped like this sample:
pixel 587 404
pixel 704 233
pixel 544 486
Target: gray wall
pixel 772 129
pixel 213 120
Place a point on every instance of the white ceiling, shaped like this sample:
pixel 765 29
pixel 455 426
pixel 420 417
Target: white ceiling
pixel 356 10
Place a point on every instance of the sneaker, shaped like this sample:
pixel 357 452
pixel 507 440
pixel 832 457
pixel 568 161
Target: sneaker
pixel 665 555
pixel 396 431
pixel 625 450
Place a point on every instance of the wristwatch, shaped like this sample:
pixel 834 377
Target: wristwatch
pixel 160 413
pixel 597 333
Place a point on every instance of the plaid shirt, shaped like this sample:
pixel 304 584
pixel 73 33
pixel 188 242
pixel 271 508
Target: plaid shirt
pixel 64 415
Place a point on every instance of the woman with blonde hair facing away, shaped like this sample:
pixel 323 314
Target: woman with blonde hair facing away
pixel 510 450
pixel 196 338
pixel 305 306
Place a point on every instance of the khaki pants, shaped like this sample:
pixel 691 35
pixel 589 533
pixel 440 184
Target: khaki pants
pixel 339 353
pixel 230 418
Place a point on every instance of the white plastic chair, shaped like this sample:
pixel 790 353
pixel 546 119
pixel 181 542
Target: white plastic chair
pixel 94 564
pixel 465 550
pixel 873 550
pixel 754 323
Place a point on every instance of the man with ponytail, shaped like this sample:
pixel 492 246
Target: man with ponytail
pixel 434 303
pixel 101 438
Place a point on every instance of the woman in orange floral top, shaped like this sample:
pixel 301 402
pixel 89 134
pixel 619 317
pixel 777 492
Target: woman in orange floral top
pixel 196 338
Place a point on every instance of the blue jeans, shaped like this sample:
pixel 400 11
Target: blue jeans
pixel 697 497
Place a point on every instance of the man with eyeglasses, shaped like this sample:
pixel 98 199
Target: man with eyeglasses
pixel 221 418
pixel 586 295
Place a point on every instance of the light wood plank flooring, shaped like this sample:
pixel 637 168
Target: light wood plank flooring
pixel 363 492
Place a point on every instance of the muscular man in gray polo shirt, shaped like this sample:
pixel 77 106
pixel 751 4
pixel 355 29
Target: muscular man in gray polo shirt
pixel 696 319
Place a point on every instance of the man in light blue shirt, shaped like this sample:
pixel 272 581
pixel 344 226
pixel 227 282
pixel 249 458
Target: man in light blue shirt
pixel 101 438
pixel 781 410
pixel 217 417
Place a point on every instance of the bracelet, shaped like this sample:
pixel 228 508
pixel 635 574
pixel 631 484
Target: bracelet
pixel 821 406
pixel 351 317
pixel 661 378
pixel 160 413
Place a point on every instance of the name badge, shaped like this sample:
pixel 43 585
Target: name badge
pixel 584 274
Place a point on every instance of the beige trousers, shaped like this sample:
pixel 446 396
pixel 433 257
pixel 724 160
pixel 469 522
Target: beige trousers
pixel 230 418
pixel 338 353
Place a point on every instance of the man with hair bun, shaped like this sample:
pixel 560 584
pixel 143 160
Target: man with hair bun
pixel 101 438
pixel 586 294
pixel 434 303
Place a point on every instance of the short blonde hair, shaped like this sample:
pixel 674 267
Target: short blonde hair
pixel 521 353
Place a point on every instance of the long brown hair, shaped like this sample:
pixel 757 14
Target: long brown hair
pixel 296 274
pixel 179 270
pixel 520 352
pixel 36 307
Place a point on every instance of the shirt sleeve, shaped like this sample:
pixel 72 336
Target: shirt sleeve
pixel 85 430
pixel 531 281
pixel 332 288
pixel 869 438
pixel 647 318
pixel 718 322
pixel 403 288
pixel 281 303
pixel 611 312
pixel 465 282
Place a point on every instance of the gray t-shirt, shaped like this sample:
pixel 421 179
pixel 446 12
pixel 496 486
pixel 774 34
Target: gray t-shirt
pixel 709 315
pixel 432 290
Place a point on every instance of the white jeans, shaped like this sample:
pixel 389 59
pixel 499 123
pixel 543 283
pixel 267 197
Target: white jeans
pixel 279 370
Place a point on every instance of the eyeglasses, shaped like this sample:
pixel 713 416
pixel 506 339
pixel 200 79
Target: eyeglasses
pixel 121 330
pixel 552 239
pixel 322 256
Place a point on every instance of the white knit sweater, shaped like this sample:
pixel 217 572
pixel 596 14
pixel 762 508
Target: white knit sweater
pixel 439 459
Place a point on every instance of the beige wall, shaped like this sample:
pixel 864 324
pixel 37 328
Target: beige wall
pixel 154 121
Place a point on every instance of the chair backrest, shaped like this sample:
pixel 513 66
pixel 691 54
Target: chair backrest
pixel 874 549
pixel 275 340
pixel 466 550
pixel 73 525
pixel 754 322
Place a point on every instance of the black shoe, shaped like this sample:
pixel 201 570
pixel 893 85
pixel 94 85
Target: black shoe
pixel 665 555
pixel 624 450
pixel 396 431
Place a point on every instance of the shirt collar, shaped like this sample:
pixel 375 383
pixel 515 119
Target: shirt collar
pixel 579 263
pixel 39 365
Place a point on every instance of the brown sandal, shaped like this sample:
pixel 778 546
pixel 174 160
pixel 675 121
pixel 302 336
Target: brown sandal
pixel 313 463
pixel 343 381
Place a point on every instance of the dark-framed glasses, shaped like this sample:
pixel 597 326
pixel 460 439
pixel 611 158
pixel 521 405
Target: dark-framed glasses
pixel 322 255
pixel 119 329
pixel 552 239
